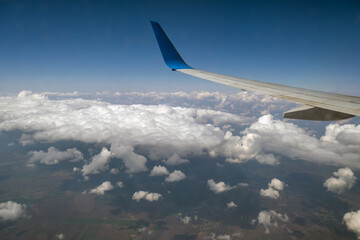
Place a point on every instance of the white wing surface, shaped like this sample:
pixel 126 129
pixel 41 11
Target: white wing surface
pixel 318 105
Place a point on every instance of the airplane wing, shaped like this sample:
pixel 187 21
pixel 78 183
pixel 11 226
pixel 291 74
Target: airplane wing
pixel 318 105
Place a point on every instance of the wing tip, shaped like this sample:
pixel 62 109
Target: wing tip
pixel 170 55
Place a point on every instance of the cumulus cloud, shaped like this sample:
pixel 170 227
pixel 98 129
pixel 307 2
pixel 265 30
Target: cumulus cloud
pixel 60 236
pixel 101 189
pixel 175 176
pixel 246 102
pixel 186 219
pixel 11 211
pixel 231 205
pixel 151 197
pixel 213 236
pixel 347 134
pixel 269 136
pixel 273 189
pixel 120 184
pixel 175 159
pixel 98 163
pixel 344 180
pixel 215 100
pixel 162 130
pixel 54 156
pixel 270 219
pixel 223 237
pixel 352 221
pixel 218 187
pixel 133 161
pixel 276 184
pixel 159 171
pixel 114 171
pixel 137 196
pixel 270 193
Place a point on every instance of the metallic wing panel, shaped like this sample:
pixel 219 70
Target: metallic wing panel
pixel 332 101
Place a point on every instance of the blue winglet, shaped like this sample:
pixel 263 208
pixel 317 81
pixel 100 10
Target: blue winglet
pixel 171 57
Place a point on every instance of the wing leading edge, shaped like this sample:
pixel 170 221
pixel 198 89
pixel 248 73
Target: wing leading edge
pixel 318 105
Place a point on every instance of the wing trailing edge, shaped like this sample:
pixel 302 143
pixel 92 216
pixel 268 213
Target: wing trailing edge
pixel 318 105
pixel 315 114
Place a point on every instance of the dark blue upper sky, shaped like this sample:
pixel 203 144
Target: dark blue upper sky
pixel 109 45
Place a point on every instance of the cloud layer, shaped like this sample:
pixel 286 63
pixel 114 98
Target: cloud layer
pixel 175 159
pixel 161 130
pixel 245 102
pixel 267 137
pixel 172 134
pixel 344 180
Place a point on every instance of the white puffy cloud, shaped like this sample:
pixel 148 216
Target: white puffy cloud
pixel 276 184
pixel 270 219
pixel 247 102
pixel 218 187
pixel 162 130
pixel 213 236
pixel 151 197
pixel 175 159
pixel 102 188
pixel 231 205
pixel 114 171
pixel 270 193
pixel 175 176
pixel 269 159
pixel 137 196
pixel 159 171
pixel 348 134
pixel 352 221
pixel 98 163
pixel 133 161
pixel 60 236
pixel 54 156
pixel 120 184
pixel 223 237
pixel 273 189
pixel 11 211
pixel 267 137
pixel 186 219
pixel 344 180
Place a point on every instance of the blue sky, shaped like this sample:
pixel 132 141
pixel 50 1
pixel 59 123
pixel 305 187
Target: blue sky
pixel 109 45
